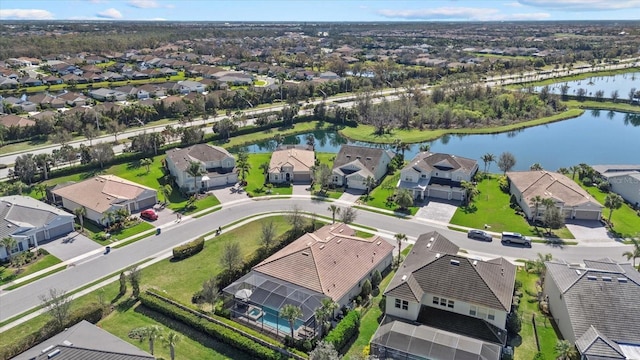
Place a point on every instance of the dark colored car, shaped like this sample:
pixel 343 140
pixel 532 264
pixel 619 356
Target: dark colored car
pixel 480 235
pixel 149 214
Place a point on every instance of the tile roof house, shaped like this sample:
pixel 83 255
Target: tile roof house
pixel 595 306
pixel 437 175
pixel 444 306
pixel 624 180
pixel 106 94
pixel 573 201
pixel 216 163
pixel 30 222
pixel 354 164
pixel 105 193
pixel 15 120
pixel 84 341
pixel 291 164
pixel 331 262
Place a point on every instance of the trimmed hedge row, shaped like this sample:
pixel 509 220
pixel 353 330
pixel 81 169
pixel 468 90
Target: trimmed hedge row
pixel 92 313
pixel 346 329
pixel 219 332
pixel 189 249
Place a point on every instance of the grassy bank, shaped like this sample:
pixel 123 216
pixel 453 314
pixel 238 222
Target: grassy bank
pixel 560 79
pixel 367 132
pixel 603 105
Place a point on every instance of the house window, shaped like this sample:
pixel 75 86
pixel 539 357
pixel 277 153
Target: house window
pixel 443 302
pixel 398 303
pixel 405 305
pixel 335 179
pixel 450 304
pixel 473 310
pixel 407 178
pixel 436 300
pixel 424 176
pixel 491 315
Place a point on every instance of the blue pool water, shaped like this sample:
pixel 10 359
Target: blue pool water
pixel 254 312
pixel 274 322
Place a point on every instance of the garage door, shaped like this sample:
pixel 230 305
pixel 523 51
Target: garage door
pixel 40 235
pixel 587 215
pixel 217 181
pixel 302 177
pixel 456 195
pixel 60 230
pixel 440 194
pixel 146 203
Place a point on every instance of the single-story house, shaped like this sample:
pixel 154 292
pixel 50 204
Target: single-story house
pixel 573 201
pixel 624 180
pixel 440 305
pixel 105 193
pixel 30 222
pixel 216 164
pixel 595 307
pixel 187 86
pixel 331 262
pixel 291 164
pixel 354 164
pixel 84 341
pixel 437 175
pixel 106 94
pixel 15 120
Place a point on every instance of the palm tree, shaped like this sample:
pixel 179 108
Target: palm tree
pixel 291 313
pixel 404 199
pixel 325 312
pixel 548 203
pixel 40 189
pixel 109 216
pixel 470 190
pixel 425 147
pixel 265 169
pixel 535 167
pixel 401 146
pixel 8 243
pixel 146 162
pixel 573 170
pixel 80 213
pixel 166 192
pixel 633 253
pixel 612 202
pixel 171 340
pixel 310 140
pixel 536 201
pixel 488 158
pixel 369 182
pixel 152 333
pixel 335 210
pixel 400 238
pixel 565 350
pixel 194 170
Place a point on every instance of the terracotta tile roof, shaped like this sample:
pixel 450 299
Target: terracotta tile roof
pixel 330 261
pixel 547 184
pixel 101 192
pixel 15 120
pixel 301 160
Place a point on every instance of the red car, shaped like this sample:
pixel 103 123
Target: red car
pixel 149 214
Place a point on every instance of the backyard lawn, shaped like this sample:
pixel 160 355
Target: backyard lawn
pixel 626 223
pixel 8 275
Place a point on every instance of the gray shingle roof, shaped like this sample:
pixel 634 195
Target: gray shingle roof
pixel 23 211
pixel 603 298
pixel 428 161
pixel 199 152
pixel 75 353
pixel 437 269
pixel 593 343
pixel 368 156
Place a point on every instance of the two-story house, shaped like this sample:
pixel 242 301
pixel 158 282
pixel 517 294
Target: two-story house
pixel 439 303
pixel 354 164
pixel 437 175
pixel 217 167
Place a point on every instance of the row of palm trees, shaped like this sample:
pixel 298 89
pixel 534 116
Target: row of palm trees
pixel 153 333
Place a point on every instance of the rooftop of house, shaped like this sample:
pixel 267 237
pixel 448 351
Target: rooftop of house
pixel 609 171
pixel 24 212
pixel 199 152
pixel 368 157
pixel 329 261
pixel 602 294
pixel 15 120
pixel 428 161
pixel 299 159
pixel 547 184
pixel 433 265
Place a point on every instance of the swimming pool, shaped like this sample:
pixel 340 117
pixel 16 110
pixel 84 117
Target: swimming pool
pixel 274 322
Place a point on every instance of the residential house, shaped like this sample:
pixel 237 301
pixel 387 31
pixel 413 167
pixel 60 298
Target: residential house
pixel 8 83
pixel 595 307
pixel 15 120
pixel 216 164
pixel 187 86
pixel 233 77
pixel 437 175
pixel 73 79
pixel 153 90
pixel 105 193
pixel 106 94
pixel 354 164
pixel 329 75
pixel 29 81
pixel 74 99
pixel 440 305
pixel 52 80
pixel 21 103
pixel 291 164
pixel 331 262
pixel 31 222
pixel 624 180
pixel 573 201
pixel 84 341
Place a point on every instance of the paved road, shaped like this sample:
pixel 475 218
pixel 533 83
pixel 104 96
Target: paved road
pixel 26 297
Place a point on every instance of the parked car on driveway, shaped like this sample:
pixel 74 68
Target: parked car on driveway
pixel 149 214
pixel 515 238
pixel 480 235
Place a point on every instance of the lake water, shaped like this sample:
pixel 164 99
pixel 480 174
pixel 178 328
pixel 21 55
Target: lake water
pixel 596 137
pixel 621 82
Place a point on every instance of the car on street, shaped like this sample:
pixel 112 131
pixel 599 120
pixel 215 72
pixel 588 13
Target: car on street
pixel 479 235
pixel 515 238
pixel 149 214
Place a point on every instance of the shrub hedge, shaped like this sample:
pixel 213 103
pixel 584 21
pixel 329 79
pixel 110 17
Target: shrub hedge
pixel 219 332
pixel 346 329
pixel 189 249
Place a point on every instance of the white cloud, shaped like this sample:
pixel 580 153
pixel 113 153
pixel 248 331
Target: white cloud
pixel 513 4
pixel 443 13
pixel 25 14
pixel 583 5
pixel 144 4
pixel 110 13
pixel 98 1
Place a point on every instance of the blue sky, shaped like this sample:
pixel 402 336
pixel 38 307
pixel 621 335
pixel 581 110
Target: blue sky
pixel 325 10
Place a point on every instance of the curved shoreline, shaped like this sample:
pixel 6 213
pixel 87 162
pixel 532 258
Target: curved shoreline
pixel 574 77
pixel 365 132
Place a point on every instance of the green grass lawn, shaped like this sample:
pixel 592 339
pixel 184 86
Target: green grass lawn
pixel 22 146
pixel 256 179
pixel 626 223
pixel 379 195
pixel 603 105
pixel 299 128
pixel 491 207
pixel 525 349
pixel 8 275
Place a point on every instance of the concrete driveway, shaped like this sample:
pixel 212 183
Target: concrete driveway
pixel 229 193
pixel 351 195
pixel 70 246
pixel 301 189
pixel 438 210
pixel 588 230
